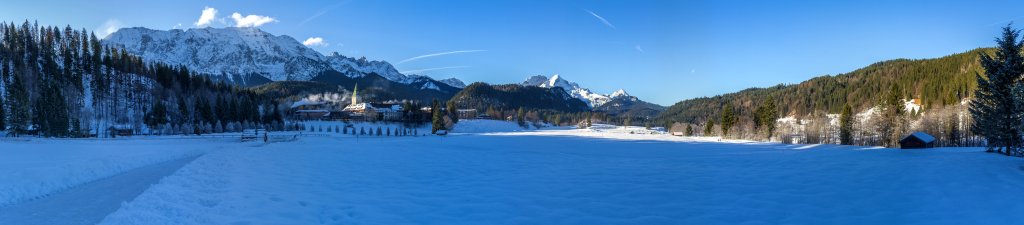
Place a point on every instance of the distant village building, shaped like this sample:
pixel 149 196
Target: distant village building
pixel 306 109
pixel 309 110
pixel 388 112
pixel 467 113
pixel 794 139
pixel 917 140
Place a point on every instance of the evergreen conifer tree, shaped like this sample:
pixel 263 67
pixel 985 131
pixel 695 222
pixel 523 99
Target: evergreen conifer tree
pixel 709 127
pixel 846 126
pixel 893 117
pixel 728 119
pixel 996 106
pixel 3 114
pixel 453 112
pixel 437 120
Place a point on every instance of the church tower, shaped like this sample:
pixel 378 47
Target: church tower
pixel 355 99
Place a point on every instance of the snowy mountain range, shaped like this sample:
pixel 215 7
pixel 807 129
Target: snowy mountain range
pixel 250 53
pixel 616 103
pixel 592 99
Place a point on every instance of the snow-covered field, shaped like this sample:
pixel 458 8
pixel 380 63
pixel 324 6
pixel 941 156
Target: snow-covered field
pixel 504 175
pixel 32 168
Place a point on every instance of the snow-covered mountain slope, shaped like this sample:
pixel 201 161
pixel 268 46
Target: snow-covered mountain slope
pixel 454 82
pixel 236 52
pixel 592 99
pixel 239 51
pixel 619 93
pixel 616 103
pixel 353 67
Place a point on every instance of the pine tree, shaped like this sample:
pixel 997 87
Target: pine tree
pixel 765 116
pixel 183 112
pixel 19 102
pixel 437 121
pixel 453 112
pixel 709 127
pixel 996 107
pixel 689 130
pixel 520 117
pixel 846 126
pixel 893 120
pixel 157 115
pixel 589 115
pixel 728 119
pixel 3 114
pixel 953 130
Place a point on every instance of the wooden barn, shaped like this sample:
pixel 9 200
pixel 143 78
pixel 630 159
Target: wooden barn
pixel 917 140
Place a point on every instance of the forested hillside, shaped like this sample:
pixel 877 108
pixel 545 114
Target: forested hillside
pixel 482 96
pixel 66 83
pixel 937 82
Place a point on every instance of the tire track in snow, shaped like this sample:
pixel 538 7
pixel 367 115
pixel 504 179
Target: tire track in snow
pixel 90 202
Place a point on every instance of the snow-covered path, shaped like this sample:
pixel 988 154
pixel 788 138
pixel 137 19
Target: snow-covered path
pixel 91 202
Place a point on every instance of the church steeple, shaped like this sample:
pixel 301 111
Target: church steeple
pixel 355 91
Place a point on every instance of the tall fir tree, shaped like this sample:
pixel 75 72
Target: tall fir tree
pixel 520 117
pixel 846 126
pixel 3 114
pixel 709 128
pixel 892 123
pixel 728 119
pixel 453 112
pixel 437 119
pixel 765 116
pixel 953 130
pixel 996 107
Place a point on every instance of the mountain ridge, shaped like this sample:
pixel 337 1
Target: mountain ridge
pixel 249 53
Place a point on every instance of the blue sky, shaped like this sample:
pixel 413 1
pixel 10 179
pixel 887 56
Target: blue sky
pixel 660 51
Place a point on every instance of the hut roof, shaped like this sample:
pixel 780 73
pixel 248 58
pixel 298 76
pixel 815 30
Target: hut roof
pixel 925 137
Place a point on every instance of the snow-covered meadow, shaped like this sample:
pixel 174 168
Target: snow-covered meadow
pixel 495 173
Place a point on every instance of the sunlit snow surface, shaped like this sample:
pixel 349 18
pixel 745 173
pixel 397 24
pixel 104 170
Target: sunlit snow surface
pixel 568 176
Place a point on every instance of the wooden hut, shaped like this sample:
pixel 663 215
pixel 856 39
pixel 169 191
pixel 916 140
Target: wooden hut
pixel 917 140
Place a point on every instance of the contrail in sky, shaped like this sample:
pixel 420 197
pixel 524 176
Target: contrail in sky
pixel 432 69
pixel 609 24
pixel 438 54
pixel 324 11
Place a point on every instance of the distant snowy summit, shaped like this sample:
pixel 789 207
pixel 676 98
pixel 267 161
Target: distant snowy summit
pixel 454 82
pixel 240 52
pixel 592 99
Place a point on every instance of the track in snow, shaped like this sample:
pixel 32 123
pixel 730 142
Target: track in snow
pixel 90 202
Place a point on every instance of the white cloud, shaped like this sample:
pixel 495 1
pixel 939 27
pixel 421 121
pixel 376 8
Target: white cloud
pixel 108 27
pixel 251 20
pixel 641 50
pixel 209 14
pixel 314 41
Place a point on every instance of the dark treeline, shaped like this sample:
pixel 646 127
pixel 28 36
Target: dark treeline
pixel 532 105
pixel 65 83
